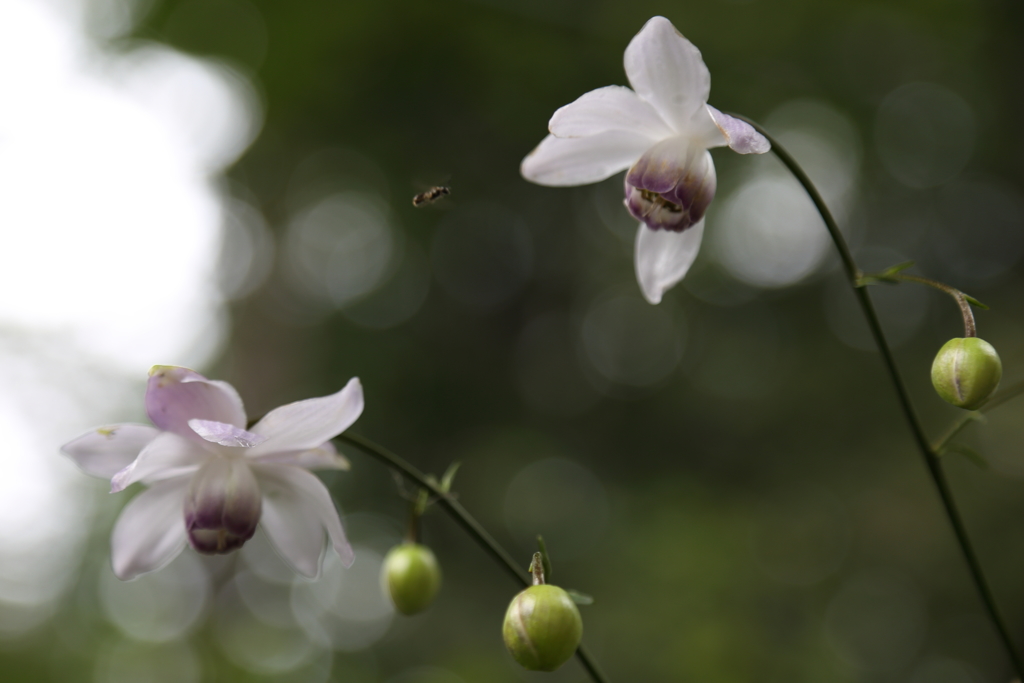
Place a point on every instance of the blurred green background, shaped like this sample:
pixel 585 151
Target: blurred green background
pixel 726 473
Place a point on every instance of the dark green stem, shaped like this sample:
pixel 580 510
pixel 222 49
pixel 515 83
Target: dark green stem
pixel 931 460
pixel 464 519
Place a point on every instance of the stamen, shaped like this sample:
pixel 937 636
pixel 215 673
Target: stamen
pixel 660 201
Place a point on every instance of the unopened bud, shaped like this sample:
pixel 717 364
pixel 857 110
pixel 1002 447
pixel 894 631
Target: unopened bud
pixel 966 371
pixel 542 627
pixel 412 577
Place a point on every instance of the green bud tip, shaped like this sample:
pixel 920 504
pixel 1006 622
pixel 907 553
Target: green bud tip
pixel 966 371
pixel 542 627
pixel 411 576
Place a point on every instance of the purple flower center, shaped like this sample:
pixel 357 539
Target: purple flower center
pixel 671 186
pixel 223 506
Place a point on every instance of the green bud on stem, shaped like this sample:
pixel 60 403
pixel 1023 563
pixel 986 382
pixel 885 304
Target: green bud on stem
pixel 412 577
pixel 966 371
pixel 542 627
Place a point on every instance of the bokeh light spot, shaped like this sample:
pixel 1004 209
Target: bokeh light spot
pixel 128 661
pixel 159 606
pixel 924 134
pixel 561 500
pixel 346 608
pixel 769 234
pixel 630 342
pixel 340 248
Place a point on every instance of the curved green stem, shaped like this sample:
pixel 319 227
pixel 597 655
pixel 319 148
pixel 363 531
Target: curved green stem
pixel 931 460
pixel 962 301
pixel 464 519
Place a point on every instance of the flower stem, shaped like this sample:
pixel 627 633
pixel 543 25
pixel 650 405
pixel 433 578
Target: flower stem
pixel 464 519
pixel 970 329
pixel 537 570
pixel 931 460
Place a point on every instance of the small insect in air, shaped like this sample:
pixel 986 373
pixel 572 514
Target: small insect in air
pixel 431 195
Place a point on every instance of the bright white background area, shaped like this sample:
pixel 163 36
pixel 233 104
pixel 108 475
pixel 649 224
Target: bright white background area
pixel 111 215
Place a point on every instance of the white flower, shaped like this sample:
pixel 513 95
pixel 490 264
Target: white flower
pixel 661 131
pixel 211 481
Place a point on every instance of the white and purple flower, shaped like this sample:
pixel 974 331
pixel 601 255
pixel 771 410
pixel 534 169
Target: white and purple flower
pixel 661 131
pixel 211 481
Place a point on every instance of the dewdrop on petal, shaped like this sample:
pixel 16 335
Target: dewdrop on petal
pixel 966 371
pixel 542 626
pixel 411 576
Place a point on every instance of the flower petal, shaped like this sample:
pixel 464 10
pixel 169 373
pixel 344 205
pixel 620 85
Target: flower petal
pixel 150 531
pixel 296 509
pixel 325 457
pixel 104 451
pixel 739 135
pixel 561 162
pixel 176 395
pixel 666 70
pixel 308 424
pixel 225 434
pixel 611 108
pixel 166 456
pixel 663 257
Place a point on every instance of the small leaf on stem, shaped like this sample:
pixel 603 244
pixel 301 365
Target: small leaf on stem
pixel 580 598
pixel 892 270
pixel 974 302
pixel 449 476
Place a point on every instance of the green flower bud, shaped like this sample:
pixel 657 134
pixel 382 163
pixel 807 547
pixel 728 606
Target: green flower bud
pixel 966 371
pixel 412 577
pixel 542 627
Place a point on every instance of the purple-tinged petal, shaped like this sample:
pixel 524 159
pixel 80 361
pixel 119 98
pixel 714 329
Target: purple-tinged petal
pixel 739 135
pixel 150 531
pixel 308 424
pixel 223 505
pixel 663 258
pixel 225 434
pixel 297 508
pixel 666 70
pixel 326 457
pixel 606 109
pixel 562 162
pixel 166 456
pixel 176 395
pixel 671 186
pixel 104 451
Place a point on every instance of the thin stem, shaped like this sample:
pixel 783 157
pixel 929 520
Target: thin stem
pixel 970 329
pixel 412 534
pixel 954 429
pixel 465 520
pixel 931 460
pixel 537 570
pixel 958 426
